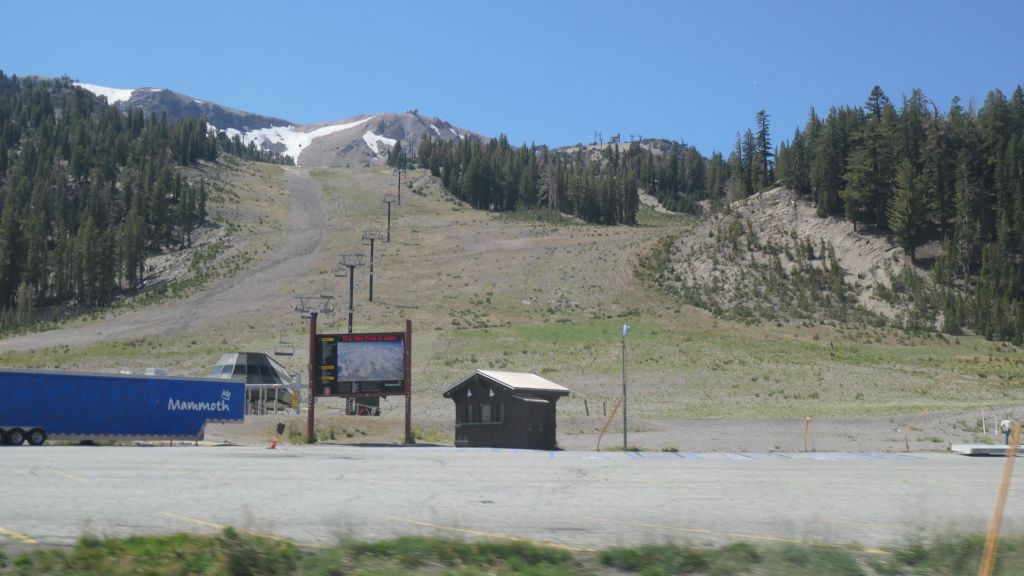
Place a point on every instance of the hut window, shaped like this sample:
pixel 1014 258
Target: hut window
pixel 483 413
pixel 472 415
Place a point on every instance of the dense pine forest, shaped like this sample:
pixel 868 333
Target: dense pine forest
pixel 598 185
pixel 923 175
pixel 87 191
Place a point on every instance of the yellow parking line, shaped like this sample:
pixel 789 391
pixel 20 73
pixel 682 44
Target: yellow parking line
pixel 194 520
pixel 12 535
pixel 209 524
pixel 491 535
pixel 745 536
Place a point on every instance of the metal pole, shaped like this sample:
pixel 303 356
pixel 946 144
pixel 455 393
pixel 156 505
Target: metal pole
pixel 625 421
pixel 310 432
pixel 408 383
pixel 351 288
pixel 399 186
pixel 389 222
pixel 371 269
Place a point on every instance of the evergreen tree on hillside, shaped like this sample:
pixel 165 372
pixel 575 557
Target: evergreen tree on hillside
pixel 871 169
pixel 908 210
pixel 86 191
pixel 922 174
pixel 766 171
pixel 396 157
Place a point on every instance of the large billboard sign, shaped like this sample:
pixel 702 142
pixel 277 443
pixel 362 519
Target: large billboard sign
pixel 361 364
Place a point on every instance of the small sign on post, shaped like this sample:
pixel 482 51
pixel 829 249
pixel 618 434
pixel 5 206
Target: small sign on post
pixel 280 430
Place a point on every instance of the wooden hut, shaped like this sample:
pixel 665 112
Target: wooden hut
pixel 505 410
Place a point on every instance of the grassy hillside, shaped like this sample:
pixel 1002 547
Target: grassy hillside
pixel 488 291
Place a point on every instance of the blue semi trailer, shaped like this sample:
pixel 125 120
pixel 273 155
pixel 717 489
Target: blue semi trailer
pixel 36 405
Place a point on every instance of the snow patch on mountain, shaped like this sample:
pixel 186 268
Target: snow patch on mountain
pixel 374 141
pixel 293 138
pixel 112 95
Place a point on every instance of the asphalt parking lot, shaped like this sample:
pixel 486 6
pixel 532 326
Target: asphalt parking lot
pixel 577 500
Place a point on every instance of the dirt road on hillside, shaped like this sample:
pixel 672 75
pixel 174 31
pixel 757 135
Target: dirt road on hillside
pixel 247 292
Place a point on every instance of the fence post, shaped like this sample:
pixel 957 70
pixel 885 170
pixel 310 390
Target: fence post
pixel 807 431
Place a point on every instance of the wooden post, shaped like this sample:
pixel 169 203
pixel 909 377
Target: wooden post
pixel 586 407
pixel 310 429
pixel 606 423
pixel 988 558
pixel 906 432
pixel 807 431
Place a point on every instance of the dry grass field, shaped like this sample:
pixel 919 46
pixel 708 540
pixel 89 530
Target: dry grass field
pixel 486 290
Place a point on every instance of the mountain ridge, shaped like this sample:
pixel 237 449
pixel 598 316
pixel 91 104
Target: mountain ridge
pixel 358 140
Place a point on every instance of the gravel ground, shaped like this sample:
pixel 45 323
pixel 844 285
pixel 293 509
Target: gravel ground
pixel 927 433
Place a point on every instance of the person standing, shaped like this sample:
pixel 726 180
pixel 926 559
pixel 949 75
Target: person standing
pixel 1005 426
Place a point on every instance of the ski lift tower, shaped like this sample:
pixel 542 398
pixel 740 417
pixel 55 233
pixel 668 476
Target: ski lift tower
pixel 398 171
pixel 390 199
pixel 371 236
pixel 351 261
pixel 310 307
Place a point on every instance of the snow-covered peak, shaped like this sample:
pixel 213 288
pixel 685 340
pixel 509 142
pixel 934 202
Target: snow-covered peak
pixel 293 138
pixel 374 141
pixel 113 95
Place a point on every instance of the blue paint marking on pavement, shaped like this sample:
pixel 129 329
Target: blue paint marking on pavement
pixel 860 455
pixel 551 453
pixel 775 455
pixel 694 455
pixel 593 457
pixel 900 457
pixel 634 455
pixel 735 456
pixel 660 455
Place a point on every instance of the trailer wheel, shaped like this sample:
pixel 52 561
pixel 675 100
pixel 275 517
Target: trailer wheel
pixel 36 436
pixel 15 436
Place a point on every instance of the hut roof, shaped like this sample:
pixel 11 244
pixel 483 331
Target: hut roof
pixel 515 381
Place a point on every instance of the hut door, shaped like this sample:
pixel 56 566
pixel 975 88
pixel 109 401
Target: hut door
pixel 536 429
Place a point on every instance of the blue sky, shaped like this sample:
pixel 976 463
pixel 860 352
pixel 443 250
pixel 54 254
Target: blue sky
pixel 550 72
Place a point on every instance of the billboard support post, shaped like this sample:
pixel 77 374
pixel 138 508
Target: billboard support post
pixel 310 431
pixel 408 383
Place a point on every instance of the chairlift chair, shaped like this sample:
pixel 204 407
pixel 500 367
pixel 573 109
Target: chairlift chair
pixel 283 348
pixel 326 292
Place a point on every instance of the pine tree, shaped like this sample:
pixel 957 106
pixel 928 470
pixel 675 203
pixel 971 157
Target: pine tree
pixel 10 255
pixel 908 210
pixel 871 169
pixel 764 150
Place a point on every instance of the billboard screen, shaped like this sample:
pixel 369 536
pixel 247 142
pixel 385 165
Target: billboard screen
pixel 360 364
